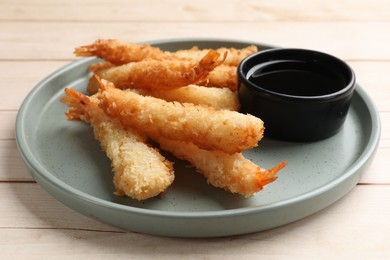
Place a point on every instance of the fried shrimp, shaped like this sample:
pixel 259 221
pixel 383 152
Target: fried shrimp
pixel 233 173
pixel 140 171
pixel 234 57
pixel 100 66
pixel 153 74
pixel 222 77
pixel 218 98
pixel 206 127
pixel 119 53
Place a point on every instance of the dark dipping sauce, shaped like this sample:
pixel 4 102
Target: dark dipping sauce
pixel 296 78
pixel 301 95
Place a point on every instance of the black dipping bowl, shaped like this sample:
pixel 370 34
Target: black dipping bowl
pixel 301 95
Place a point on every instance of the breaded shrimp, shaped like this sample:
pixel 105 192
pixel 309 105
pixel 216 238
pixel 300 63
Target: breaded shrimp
pixel 233 173
pixel 218 98
pixel 234 57
pixel 100 66
pixel 140 171
pixel 119 53
pixel 222 76
pixel 229 131
pixel 153 74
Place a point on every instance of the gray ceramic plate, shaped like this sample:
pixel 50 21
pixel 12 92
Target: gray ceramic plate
pixel 67 162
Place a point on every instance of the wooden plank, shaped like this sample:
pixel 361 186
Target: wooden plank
pixel 26 205
pixel 34 225
pixel 378 171
pixel 370 76
pixel 356 227
pixel 7 126
pixel 12 167
pixel 195 11
pixel 56 40
pixel 385 124
pixel 18 79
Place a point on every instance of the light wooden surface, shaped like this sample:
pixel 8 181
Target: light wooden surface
pixel 38 37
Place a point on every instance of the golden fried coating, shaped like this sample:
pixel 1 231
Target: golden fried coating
pixel 186 101
pixel 153 74
pixel 234 57
pixel 218 98
pixel 206 127
pixel 222 76
pixel 233 173
pixel 140 171
pixel 100 66
pixel 119 53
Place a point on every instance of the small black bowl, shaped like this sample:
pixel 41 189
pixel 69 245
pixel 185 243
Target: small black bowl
pixel 301 95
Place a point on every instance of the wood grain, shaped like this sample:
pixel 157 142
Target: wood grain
pixel 40 225
pixel 56 40
pixel 195 11
pixel 37 37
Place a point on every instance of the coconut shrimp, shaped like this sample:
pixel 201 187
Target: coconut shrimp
pixel 233 173
pixel 153 74
pixel 140 171
pixel 218 98
pixel 229 131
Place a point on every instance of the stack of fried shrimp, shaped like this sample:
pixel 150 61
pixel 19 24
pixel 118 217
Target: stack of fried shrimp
pixel 185 101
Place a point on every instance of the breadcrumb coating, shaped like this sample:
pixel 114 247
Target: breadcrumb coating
pixel 140 171
pixel 211 129
pixel 232 172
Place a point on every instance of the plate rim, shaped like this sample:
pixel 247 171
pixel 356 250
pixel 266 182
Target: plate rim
pixel 33 163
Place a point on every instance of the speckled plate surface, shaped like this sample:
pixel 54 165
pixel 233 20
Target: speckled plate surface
pixel 67 162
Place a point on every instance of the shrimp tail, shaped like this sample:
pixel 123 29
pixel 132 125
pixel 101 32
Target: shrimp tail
pixel 119 53
pixel 210 61
pixel 103 84
pixel 76 102
pixel 264 178
pixel 94 49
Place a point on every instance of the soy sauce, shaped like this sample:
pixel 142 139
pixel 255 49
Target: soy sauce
pixel 296 78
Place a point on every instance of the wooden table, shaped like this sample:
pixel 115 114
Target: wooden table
pixel 38 37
